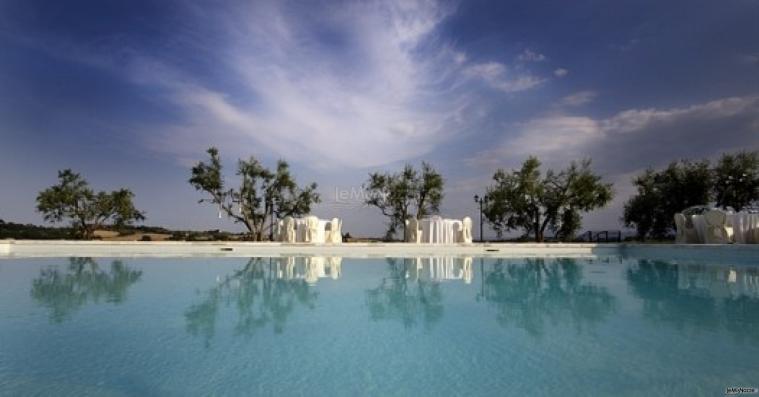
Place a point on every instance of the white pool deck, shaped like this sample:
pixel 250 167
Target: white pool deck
pixel 66 248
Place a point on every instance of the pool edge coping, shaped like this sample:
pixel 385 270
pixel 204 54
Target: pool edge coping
pixel 57 248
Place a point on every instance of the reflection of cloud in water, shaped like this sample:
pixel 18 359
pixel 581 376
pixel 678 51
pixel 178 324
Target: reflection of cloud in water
pixel 83 282
pixel 263 292
pixel 698 297
pixel 534 292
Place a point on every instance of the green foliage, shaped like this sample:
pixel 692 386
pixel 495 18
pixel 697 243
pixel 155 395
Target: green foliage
pixel 554 289
pixel 263 195
pixel 406 300
pixel 662 194
pixel 73 199
pixel 736 180
pixel 733 182
pixel 258 293
pixel 525 199
pixel 65 292
pixel 33 232
pixel 405 194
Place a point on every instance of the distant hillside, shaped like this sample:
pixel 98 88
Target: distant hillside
pixel 32 232
pixel 20 231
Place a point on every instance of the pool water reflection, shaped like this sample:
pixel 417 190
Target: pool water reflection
pixel 398 326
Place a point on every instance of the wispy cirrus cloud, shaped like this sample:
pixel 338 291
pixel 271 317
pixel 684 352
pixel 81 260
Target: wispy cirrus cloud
pixel 578 98
pixel 529 55
pixel 387 89
pixel 500 77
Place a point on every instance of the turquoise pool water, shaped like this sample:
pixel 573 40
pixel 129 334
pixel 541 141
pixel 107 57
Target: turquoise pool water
pixel 415 327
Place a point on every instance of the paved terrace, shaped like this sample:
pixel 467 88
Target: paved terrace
pixel 747 254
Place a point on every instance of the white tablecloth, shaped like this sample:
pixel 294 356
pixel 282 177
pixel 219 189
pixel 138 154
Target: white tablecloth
pixel 301 227
pixel 436 230
pixel 743 225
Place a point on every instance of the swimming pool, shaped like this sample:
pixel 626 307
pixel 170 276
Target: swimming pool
pixel 607 325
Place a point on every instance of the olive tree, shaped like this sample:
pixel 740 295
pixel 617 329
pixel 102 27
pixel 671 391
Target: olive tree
pixel 405 194
pixel 736 180
pixel 662 194
pixel 262 197
pixel 732 182
pixel 72 199
pixel 528 200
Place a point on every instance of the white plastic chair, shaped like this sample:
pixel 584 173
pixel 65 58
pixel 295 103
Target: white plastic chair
pixel 718 231
pixel 466 232
pixel 334 231
pixel 686 231
pixel 277 232
pixel 289 232
pixel 312 228
pixel 413 232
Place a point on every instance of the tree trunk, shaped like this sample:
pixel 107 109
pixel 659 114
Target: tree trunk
pixel 538 236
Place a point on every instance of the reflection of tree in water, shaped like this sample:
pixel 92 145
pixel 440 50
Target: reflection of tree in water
pixel 259 293
pixel 698 297
pixel 528 295
pixel 405 300
pixel 65 292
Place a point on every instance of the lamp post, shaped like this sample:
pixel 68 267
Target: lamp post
pixel 480 200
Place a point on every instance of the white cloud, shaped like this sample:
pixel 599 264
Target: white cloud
pixel 391 91
pixel 634 138
pixel 560 72
pixel 530 56
pixel 628 142
pixel 578 98
pixel 498 76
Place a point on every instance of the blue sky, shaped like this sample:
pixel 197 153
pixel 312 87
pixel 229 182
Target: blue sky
pixel 132 93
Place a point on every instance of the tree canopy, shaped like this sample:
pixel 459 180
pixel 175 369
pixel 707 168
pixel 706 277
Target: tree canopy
pixel 732 182
pixel 405 194
pixel 262 195
pixel 73 199
pixel 528 200
pixel 736 180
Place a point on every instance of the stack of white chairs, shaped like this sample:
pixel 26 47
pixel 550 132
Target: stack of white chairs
pixel 718 229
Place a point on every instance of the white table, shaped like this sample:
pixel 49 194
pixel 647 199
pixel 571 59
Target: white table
pixel 743 225
pixel 436 230
pixel 301 228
